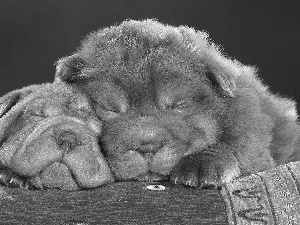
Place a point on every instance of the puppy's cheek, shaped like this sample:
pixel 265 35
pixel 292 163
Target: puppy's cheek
pixel 35 154
pixel 13 144
pixel 56 175
pixel 209 127
pixel 88 165
pixel 127 165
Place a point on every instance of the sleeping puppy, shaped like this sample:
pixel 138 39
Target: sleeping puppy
pixel 49 139
pixel 174 107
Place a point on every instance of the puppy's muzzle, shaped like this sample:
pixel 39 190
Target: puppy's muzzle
pixel 66 140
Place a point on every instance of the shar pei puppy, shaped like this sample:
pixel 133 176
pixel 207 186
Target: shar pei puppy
pixel 49 139
pixel 173 106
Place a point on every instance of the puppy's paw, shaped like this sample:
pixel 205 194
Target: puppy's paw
pixel 204 171
pixel 196 173
pixel 12 180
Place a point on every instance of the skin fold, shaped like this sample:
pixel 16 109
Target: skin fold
pixel 49 139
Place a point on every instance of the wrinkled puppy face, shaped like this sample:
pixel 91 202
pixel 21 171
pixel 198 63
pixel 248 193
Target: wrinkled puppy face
pixel 52 136
pixel 154 115
pixel 146 135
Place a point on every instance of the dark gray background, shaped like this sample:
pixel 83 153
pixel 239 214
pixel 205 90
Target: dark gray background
pixel 35 33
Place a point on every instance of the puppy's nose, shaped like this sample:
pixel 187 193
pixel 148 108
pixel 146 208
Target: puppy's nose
pixel 66 141
pixel 151 139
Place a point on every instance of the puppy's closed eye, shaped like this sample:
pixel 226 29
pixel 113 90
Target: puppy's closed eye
pixel 37 113
pixel 107 112
pixel 180 104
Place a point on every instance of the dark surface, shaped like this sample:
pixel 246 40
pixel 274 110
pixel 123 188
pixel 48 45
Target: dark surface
pixel 269 197
pixel 118 203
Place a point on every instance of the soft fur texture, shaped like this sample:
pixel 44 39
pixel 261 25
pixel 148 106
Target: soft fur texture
pixel 49 133
pixel 173 105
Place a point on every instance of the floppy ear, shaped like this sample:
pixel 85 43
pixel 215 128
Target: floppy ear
pixel 68 69
pixel 222 81
pixel 11 107
pixel 8 117
pixel 8 101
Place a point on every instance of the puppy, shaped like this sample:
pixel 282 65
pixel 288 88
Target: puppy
pixel 174 107
pixel 49 138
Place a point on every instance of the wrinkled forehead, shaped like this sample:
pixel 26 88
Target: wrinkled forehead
pixel 58 94
pixel 148 79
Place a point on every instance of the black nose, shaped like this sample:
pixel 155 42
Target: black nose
pixel 150 138
pixel 66 141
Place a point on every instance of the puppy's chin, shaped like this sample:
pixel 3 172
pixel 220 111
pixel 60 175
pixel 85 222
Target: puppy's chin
pixel 56 175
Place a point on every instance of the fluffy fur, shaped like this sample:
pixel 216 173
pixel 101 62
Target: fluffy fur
pixel 174 106
pixel 49 134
